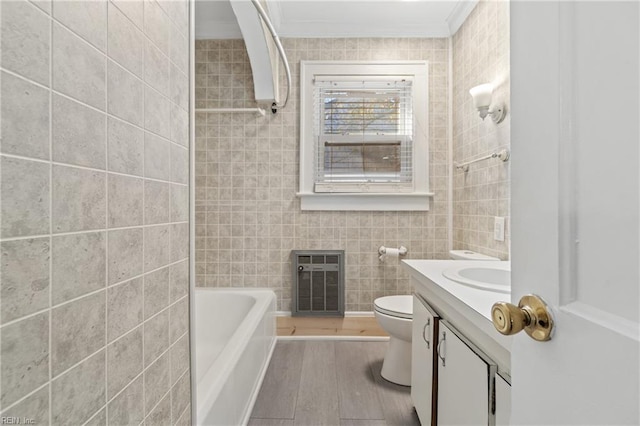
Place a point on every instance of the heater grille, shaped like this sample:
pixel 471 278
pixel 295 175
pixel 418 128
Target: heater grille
pixel 318 283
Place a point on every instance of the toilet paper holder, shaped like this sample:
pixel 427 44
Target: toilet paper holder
pixel 388 251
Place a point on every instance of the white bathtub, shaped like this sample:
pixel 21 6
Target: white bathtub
pixel 235 336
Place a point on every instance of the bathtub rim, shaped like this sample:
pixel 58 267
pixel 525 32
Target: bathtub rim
pixel 231 356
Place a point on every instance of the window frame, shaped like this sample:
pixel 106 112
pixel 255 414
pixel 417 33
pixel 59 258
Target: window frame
pixel 367 199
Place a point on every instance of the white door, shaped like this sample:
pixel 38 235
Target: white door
pixel 575 206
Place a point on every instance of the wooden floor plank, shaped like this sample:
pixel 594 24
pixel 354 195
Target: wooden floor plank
pixel 327 380
pixel 311 326
pixel 277 397
pixel 354 422
pixel 357 389
pixel 396 400
pixel 318 394
pixel 271 422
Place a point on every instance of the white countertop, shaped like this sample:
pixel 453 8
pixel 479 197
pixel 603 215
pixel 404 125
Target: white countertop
pixel 479 300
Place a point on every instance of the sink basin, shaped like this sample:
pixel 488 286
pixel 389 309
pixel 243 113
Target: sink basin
pixel 482 277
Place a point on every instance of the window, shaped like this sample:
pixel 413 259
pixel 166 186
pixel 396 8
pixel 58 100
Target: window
pixel 363 139
pixel 363 135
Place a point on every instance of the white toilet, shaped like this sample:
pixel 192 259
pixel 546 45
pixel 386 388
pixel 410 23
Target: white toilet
pixel 395 316
pixel 469 255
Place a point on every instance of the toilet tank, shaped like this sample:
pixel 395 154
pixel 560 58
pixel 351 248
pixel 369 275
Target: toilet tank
pixel 469 255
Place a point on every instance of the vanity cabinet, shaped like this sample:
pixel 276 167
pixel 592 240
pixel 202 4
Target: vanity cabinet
pixel 453 382
pixel 466 386
pixel 424 367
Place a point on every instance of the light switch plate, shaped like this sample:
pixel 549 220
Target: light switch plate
pixel 498 228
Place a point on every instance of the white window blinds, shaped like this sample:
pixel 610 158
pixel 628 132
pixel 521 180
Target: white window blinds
pixel 364 135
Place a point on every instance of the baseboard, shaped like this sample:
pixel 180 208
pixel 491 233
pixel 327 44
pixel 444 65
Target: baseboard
pixel 348 314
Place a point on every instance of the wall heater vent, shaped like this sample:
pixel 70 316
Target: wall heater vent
pixel 318 283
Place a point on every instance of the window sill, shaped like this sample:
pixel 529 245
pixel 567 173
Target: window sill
pixel 415 201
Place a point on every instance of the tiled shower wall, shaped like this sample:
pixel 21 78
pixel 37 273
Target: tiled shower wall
pixel 481 55
pixel 248 218
pixel 94 212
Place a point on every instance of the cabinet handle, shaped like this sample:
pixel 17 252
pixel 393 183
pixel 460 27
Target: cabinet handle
pixel 440 355
pixel 424 329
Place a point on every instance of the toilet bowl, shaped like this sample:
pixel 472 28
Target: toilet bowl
pixel 395 315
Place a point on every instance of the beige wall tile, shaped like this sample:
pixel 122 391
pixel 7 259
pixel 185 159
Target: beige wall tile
pixel 25 357
pixel 80 392
pixel 78 134
pixel 79 199
pixel 24 198
pixel 25 39
pixel 34 407
pixel 125 95
pixel 25 277
pixel 88 19
pixel 156 337
pixel 124 307
pixel 157 152
pixel 156 381
pixel 126 148
pixel 77 330
pixel 125 254
pixel 25 117
pixel 126 42
pixel 78 265
pixel 156 292
pixel 124 362
pixel 78 68
pixel 128 407
pixel 126 198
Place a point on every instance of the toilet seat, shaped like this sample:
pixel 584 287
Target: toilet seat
pixel 395 306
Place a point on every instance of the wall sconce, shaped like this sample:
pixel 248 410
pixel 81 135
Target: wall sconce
pixel 482 101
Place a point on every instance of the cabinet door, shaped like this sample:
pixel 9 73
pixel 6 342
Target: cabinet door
pixel 465 382
pixel 503 401
pixel 424 371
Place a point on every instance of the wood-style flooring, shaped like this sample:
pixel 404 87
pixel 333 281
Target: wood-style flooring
pixel 333 383
pixel 313 326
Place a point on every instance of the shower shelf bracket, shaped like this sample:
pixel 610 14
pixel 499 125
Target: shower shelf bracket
pixel 222 110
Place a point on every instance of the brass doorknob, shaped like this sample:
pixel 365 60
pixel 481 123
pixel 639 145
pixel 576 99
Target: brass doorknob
pixel 531 315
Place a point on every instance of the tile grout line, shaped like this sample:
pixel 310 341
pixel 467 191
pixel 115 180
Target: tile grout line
pixel 106 214
pixel 170 246
pixel 92 231
pixel 50 93
pixel 144 172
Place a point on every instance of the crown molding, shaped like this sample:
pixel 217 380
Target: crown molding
pixel 460 14
pixel 318 29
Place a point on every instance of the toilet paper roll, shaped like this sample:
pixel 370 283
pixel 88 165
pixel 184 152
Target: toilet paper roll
pixel 392 252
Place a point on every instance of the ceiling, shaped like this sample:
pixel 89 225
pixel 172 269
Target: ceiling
pixel 341 18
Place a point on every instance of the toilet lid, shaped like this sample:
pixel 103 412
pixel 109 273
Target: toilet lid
pixel 395 306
